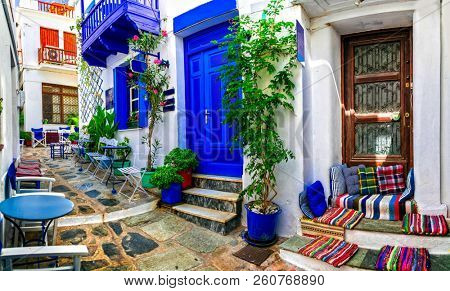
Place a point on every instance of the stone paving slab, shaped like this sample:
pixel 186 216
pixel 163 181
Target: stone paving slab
pixel 165 228
pixel 175 259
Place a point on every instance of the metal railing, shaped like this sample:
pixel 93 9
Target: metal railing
pixel 56 8
pixel 52 55
pixel 103 9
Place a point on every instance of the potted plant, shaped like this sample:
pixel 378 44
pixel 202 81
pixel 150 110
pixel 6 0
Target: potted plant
pixel 153 81
pixel 184 160
pixel 27 137
pixel 122 161
pixel 148 173
pixel 74 137
pixel 169 182
pixel 261 59
pixel 133 120
pixel 102 124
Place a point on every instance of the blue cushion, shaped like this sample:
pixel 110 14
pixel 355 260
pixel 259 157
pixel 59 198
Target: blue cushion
pixel 11 176
pixel 337 180
pixel 316 198
pixel 304 205
pixel 410 187
pixel 352 179
pixel 1 229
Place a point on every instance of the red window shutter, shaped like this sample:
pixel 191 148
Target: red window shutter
pixel 49 37
pixel 70 42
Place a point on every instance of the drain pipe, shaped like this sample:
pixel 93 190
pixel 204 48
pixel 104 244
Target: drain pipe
pixel 11 30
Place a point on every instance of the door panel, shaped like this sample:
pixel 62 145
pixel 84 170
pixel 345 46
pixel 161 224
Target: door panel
pixel 49 37
pixel 378 98
pixel 206 133
pixel 70 44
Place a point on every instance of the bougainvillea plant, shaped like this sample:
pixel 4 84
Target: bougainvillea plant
pixel 154 80
pixel 261 59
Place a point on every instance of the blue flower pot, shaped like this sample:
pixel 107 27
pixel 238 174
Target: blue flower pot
pixel 262 227
pixel 172 195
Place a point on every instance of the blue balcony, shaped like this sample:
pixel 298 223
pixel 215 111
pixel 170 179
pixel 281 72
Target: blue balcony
pixel 107 27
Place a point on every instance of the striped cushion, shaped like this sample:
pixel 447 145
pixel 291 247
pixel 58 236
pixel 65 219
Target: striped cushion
pixel 367 181
pixel 386 207
pixel 409 191
pixel 391 180
pixel 304 205
pixel 337 180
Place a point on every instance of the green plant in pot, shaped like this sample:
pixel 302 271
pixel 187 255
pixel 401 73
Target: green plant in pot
pixel 261 59
pixel 185 161
pixel 121 160
pixel 102 124
pixel 148 173
pixel 27 137
pixel 167 179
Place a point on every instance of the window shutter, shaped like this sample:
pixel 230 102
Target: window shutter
pixel 49 37
pixel 121 104
pixel 143 107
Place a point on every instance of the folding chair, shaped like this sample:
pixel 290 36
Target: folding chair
pixel 133 176
pixel 105 162
pixel 63 136
pixel 38 135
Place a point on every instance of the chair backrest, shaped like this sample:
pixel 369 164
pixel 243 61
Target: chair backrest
pixel 38 133
pixel 63 134
pixel 10 180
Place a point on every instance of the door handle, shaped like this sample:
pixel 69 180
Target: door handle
pixel 207 113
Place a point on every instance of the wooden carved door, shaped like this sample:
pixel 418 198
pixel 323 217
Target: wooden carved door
pixel 377 122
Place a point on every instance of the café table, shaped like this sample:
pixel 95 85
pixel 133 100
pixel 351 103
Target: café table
pixel 43 208
pixel 110 151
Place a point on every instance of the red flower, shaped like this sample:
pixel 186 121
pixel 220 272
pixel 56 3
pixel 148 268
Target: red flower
pixel 162 103
pixel 130 75
pixel 157 61
pixel 155 91
pixel 135 38
pixel 164 33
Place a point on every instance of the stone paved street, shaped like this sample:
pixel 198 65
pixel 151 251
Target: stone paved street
pixel 155 240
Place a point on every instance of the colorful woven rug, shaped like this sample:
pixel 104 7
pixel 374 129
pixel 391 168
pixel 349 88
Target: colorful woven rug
pixel 424 224
pixel 343 217
pixel 393 258
pixel 329 250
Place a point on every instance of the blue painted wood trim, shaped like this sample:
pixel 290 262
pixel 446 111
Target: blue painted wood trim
pixel 143 107
pixel 121 103
pixel 203 12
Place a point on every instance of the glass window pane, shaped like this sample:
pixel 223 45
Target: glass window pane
pixel 377 58
pixel 378 138
pixel 379 97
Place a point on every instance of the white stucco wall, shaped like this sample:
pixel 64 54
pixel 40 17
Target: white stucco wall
pixel 34 74
pixel 9 125
pixel 427 106
pixel 445 106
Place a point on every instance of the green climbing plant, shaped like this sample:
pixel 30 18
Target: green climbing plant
pixel 261 58
pixel 154 81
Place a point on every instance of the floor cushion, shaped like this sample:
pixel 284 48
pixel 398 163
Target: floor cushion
pixel 367 181
pixel 410 187
pixel 391 180
pixel 337 180
pixel 385 207
pixel 351 179
pixel 419 224
pixel 304 205
pixel 316 198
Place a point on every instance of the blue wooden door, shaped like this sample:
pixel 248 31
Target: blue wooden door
pixel 206 133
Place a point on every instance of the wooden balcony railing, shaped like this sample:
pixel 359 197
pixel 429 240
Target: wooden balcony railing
pixel 52 55
pixel 56 8
pixel 103 9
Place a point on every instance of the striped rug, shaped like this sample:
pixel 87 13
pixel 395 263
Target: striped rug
pixel 329 250
pixel 394 258
pixel 343 217
pixel 425 224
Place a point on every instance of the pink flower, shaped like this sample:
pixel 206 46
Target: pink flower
pixel 130 75
pixel 157 62
pixel 163 103
pixel 155 91
pixel 135 38
pixel 164 33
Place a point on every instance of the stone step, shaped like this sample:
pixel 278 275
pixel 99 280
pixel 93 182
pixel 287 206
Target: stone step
pixel 218 183
pixel 215 220
pixel 365 259
pixel 213 199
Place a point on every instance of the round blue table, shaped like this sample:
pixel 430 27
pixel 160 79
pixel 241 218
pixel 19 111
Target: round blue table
pixel 42 208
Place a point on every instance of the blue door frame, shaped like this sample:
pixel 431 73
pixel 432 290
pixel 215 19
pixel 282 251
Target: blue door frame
pixel 206 134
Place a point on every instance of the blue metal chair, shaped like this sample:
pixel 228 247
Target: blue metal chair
pixel 38 137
